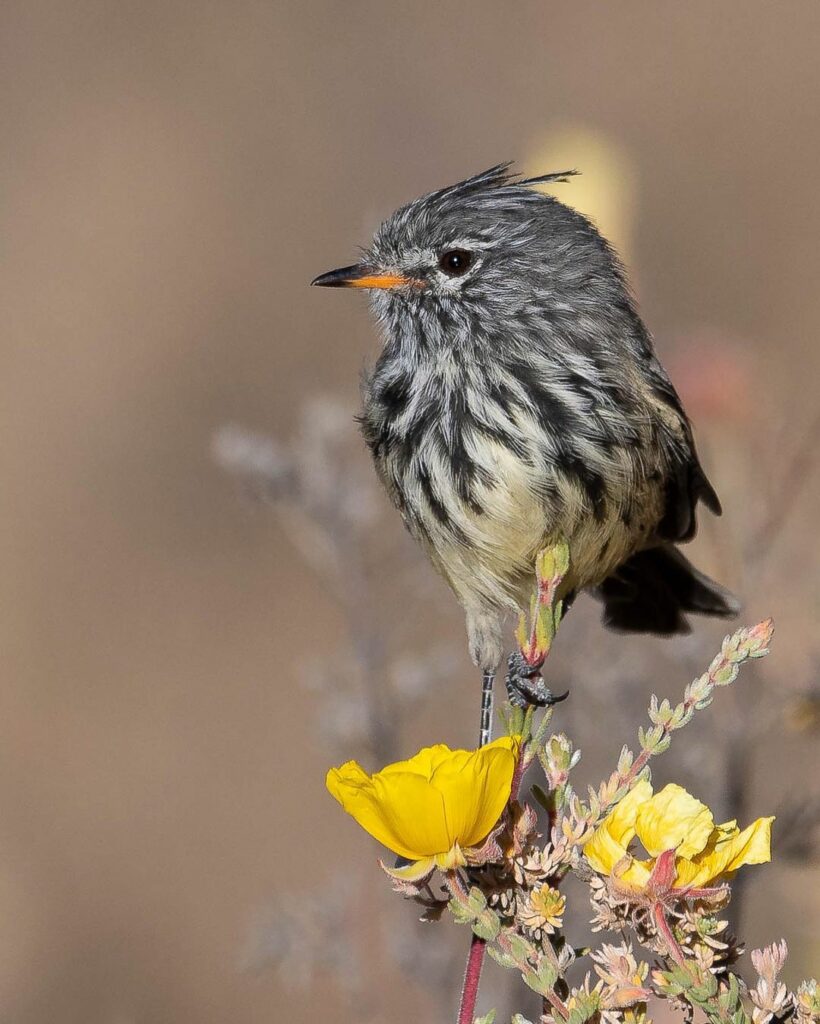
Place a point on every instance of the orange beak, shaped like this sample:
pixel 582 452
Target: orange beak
pixel 359 276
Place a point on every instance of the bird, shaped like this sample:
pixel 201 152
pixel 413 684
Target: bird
pixel 517 400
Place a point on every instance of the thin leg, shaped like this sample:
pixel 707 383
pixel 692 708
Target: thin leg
pixel 486 731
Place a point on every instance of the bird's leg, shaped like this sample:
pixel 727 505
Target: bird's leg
pixel 525 684
pixel 486 731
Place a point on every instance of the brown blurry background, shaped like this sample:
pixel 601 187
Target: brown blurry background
pixel 181 665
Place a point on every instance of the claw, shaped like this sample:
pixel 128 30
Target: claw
pixel 526 686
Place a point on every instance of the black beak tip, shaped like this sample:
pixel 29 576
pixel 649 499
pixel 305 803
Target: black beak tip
pixel 335 278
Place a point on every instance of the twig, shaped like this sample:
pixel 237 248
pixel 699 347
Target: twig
pixel 472 976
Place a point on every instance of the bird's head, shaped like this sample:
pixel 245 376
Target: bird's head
pixel 484 253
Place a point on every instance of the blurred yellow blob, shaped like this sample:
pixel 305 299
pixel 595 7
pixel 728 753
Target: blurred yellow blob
pixel 431 807
pixel 672 819
pixel 605 191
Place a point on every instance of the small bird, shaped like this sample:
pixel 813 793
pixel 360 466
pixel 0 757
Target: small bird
pixel 517 400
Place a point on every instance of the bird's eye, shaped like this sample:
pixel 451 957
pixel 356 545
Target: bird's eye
pixel 456 262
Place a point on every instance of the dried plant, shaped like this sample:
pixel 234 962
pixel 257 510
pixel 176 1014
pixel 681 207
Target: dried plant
pixel 507 887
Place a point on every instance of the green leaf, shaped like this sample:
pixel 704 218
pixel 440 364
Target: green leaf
pixel 461 912
pixel 502 958
pixel 541 980
pixel 476 901
pixel 662 745
pixel 520 947
pixel 487 926
pixel 586 1006
pixel 544 799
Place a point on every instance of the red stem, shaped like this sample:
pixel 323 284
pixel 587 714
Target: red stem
pixel 663 926
pixel 475 958
pixel 472 975
pixel 516 779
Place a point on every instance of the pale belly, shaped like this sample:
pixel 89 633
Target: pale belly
pixel 491 563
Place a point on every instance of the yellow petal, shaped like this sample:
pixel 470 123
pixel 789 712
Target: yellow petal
pixel 674 820
pixel 414 811
pixel 475 789
pixel 727 850
pixel 401 810
pixel 602 851
pixel 433 803
pixel 424 763
pixel 636 872
pixel 353 788
pixel 608 843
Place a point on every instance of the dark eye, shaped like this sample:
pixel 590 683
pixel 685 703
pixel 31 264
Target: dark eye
pixel 455 262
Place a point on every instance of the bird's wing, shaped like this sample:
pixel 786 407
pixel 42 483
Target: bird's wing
pixel 687 483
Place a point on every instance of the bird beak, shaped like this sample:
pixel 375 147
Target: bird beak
pixel 360 276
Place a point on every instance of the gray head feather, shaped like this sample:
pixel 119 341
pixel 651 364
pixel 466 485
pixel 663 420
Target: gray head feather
pixel 532 262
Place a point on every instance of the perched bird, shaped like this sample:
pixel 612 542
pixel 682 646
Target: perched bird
pixel 518 399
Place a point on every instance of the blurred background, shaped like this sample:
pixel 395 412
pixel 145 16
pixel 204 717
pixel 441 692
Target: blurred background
pixel 206 600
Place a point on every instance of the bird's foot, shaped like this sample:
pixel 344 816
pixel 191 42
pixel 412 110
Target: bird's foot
pixel 526 686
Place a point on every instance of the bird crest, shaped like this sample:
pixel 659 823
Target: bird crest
pixel 500 176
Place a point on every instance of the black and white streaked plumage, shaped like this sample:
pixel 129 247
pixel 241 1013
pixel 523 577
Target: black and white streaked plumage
pixel 518 399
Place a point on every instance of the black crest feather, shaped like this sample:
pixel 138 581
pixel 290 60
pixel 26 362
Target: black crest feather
pixel 544 179
pixel 500 176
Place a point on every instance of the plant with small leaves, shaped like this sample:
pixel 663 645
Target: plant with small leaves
pixel 506 885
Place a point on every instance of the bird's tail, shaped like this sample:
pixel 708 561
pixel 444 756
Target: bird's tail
pixel 652 591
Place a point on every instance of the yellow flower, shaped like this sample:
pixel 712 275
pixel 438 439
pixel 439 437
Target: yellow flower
pixel 431 807
pixel 672 820
pixel 543 910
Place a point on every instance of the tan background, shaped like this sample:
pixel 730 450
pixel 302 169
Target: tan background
pixel 172 175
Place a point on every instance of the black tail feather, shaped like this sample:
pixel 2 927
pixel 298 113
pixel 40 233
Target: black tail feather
pixel 652 591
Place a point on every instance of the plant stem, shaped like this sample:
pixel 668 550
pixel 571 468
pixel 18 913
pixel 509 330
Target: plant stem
pixel 557 1004
pixel 525 966
pixel 516 779
pixel 475 958
pixel 665 929
pixel 455 885
pixel 472 976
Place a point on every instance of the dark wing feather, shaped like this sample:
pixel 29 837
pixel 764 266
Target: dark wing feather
pixel 687 483
pixel 653 590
